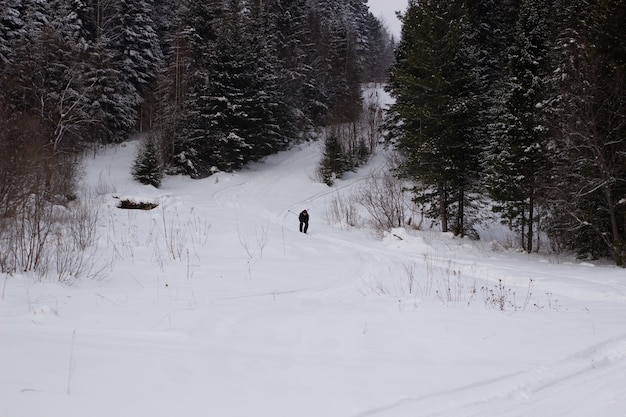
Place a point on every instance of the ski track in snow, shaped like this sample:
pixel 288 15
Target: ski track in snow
pixel 528 393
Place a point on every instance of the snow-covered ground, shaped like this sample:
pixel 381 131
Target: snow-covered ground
pixel 213 304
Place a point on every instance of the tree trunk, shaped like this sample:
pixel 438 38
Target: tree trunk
pixel 460 223
pixel 531 220
pixel 443 209
pixel 523 227
pixel 617 244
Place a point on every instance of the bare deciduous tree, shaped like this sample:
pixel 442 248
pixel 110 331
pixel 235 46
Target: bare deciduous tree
pixel 383 197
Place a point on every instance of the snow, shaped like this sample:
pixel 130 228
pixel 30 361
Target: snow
pixel 214 304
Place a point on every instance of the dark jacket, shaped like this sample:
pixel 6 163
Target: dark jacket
pixel 304 217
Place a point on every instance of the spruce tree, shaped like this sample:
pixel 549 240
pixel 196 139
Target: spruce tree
pixel 432 118
pixel 334 161
pixel 147 167
pixel 137 47
pixel 294 50
pixel 11 28
pixel 234 111
pixel 378 56
pixel 588 106
pixel 184 89
pixel 518 153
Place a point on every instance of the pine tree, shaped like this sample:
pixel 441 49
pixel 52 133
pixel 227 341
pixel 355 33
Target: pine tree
pixel 518 153
pixel 434 108
pixel 187 87
pixel 113 100
pixel 294 50
pixel 336 67
pixel 270 122
pixel 11 29
pixel 46 76
pixel 588 107
pixel 137 49
pixel 490 31
pixel 334 161
pixel 22 25
pixel 147 167
pixel 234 110
pixel 378 57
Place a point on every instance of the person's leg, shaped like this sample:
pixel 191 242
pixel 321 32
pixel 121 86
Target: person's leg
pixel 306 226
pixel 301 226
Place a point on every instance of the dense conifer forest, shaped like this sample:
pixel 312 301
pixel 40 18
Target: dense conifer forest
pixel 517 106
pixel 514 106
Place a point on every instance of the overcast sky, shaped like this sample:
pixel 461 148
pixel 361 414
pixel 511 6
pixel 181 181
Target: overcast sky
pixel 387 9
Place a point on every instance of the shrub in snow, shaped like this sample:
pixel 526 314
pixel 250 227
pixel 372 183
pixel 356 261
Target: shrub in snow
pixel 384 199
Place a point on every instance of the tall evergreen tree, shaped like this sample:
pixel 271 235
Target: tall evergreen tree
pixel 336 31
pixel 378 56
pixel 589 106
pixel 434 108
pixel 518 154
pixel 234 111
pixel 11 28
pixel 294 49
pixel 137 46
pixel 490 31
pixel 113 100
pixel 138 50
pixel 47 77
pixel 23 23
pixel 272 121
pixel 334 161
pixel 185 87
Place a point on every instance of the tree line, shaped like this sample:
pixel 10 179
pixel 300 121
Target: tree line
pixel 518 105
pixel 219 83
pixel 244 78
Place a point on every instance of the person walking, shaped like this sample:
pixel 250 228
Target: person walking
pixel 304 221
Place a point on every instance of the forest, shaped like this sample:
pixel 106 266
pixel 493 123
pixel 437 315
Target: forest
pixel 514 106
pixel 518 107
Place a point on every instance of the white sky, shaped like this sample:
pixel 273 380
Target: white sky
pixel 387 9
